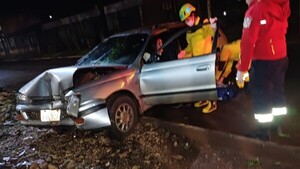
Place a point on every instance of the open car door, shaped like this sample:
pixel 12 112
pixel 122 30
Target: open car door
pixel 179 81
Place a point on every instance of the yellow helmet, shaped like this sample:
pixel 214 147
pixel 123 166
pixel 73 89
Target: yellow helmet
pixel 185 11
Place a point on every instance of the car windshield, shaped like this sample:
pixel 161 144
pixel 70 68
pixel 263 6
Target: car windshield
pixel 116 50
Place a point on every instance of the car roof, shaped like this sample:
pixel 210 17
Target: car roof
pixel 157 29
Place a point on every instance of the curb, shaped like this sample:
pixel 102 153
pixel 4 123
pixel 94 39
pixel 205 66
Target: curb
pixel 248 146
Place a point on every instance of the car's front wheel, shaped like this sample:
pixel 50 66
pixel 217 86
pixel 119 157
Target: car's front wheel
pixel 123 113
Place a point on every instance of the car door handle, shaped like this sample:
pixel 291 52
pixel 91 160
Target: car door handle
pixel 203 68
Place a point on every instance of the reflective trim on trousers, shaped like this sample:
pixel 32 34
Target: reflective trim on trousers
pixel 264 118
pixel 279 111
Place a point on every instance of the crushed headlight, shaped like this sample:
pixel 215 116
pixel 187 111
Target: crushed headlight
pixel 21 98
pixel 73 100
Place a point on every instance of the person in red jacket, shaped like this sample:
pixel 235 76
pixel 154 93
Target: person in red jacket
pixel 264 50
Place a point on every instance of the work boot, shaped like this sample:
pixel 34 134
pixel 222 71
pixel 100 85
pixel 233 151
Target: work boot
pixel 212 106
pixel 201 103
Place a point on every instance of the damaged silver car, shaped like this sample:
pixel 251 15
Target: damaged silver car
pixel 117 81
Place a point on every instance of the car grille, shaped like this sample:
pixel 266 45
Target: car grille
pixel 36 115
pixel 40 100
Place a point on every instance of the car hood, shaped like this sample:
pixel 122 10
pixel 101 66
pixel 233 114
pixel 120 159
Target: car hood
pixel 50 83
pixel 53 82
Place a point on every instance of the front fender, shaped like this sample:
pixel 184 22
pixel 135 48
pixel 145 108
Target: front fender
pixel 93 112
pixel 108 85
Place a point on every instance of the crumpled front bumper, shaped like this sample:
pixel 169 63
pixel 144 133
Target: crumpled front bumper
pixel 91 114
pixel 31 114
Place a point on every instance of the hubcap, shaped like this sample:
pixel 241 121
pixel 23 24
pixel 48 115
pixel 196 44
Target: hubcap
pixel 124 117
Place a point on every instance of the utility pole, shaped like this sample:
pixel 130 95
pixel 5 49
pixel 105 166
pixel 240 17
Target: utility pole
pixel 299 19
pixel 209 9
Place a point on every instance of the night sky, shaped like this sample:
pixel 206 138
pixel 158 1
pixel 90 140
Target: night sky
pixel 15 14
pixel 57 8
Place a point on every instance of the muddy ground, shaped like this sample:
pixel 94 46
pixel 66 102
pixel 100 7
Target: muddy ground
pixel 148 147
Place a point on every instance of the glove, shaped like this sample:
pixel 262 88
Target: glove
pixel 241 78
pixel 220 81
pixel 181 54
pixel 213 22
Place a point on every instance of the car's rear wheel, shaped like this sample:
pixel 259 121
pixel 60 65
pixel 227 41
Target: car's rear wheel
pixel 123 113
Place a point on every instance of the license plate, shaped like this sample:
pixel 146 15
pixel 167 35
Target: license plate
pixel 50 115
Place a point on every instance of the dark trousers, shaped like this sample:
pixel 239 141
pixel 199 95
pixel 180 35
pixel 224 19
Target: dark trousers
pixel 267 84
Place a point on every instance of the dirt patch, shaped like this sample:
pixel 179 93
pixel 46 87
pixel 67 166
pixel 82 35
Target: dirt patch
pixel 148 147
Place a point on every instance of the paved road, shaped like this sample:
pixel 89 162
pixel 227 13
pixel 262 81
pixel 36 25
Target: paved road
pixel 14 75
pixel 232 116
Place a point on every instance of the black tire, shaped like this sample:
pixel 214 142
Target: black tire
pixel 123 113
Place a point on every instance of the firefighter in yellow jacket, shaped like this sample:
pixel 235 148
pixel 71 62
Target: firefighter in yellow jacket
pixel 199 43
pixel 229 54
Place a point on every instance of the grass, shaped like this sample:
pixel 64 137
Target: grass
pixel 254 162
